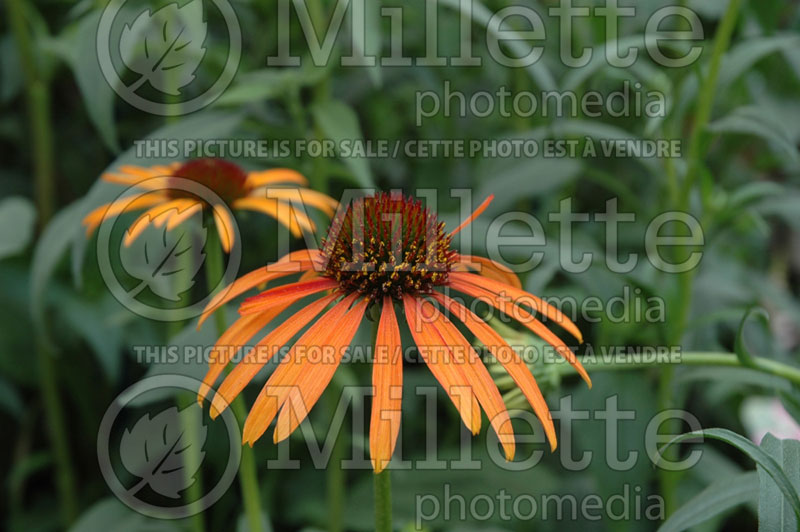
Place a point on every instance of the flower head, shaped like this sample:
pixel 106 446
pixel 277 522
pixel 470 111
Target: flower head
pixel 167 201
pixel 391 253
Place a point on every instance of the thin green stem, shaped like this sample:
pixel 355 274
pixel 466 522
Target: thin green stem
pixel 668 479
pixel 41 133
pixel 57 431
pixel 335 478
pixel 383 501
pixel 248 476
pixel 694 358
pixel 192 460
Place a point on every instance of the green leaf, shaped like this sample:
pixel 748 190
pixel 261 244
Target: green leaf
pixel 111 514
pixel 17 219
pixel 762 459
pixel 269 83
pixel 538 71
pixel 77 46
pixel 51 247
pixel 754 120
pixel 742 353
pixel 339 122
pixel 773 511
pixel 715 499
pixel 526 178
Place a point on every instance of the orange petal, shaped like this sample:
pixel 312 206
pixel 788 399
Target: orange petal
pixel 482 384
pixel 263 352
pixel 231 342
pixel 527 298
pixel 276 175
pixel 225 227
pixel 109 210
pixel 305 196
pixel 285 376
pixel 287 292
pixel 286 266
pixel 492 270
pixel 475 214
pixel 436 355
pixel 510 360
pixel 318 374
pixel 528 320
pixel 387 388
pixel 295 221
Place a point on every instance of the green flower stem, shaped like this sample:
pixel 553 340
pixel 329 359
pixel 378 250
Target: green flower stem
pixel 383 501
pixel 335 478
pixel 192 458
pixel 37 95
pixel 248 477
pixel 695 358
pixel 669 480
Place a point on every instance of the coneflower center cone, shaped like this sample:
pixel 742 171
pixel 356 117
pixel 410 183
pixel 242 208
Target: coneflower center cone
pixel 387 245
pixel 224 178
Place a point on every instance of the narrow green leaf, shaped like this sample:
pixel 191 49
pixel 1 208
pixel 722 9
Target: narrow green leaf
pixel 720 496
pixel 764 460
pixel 773 511
pixel 339 122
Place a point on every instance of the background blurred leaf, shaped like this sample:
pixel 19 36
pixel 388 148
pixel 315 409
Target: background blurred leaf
pixel 751 120
pixel 77 46
pixel 716 499
pixel 111 514
pixel 17 219
pixel 49 251
pixel 339 122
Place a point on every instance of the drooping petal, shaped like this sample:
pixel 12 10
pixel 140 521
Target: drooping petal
pixel 276 175
pixel 315 379
pixel 292 263
pixel 510 360
pixel 263 352
pixel 284 378
pixel 109 210
pixel 491 269
pixel 481 382
pixel 387 388
pixel 284 213
pixel 287 292
pixel 155 215
pixel 305 196
pixel 520 297
pixel 225 227
pixel 231 342
pixel 181 216
pixel 436 355
pixel 527 319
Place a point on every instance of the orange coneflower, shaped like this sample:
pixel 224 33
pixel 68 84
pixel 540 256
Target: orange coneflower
pixel 168 202
pixel 386 251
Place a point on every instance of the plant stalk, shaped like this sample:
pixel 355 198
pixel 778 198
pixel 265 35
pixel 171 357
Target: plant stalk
pixel 383 501
pixel 41 134
pixel 248 476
